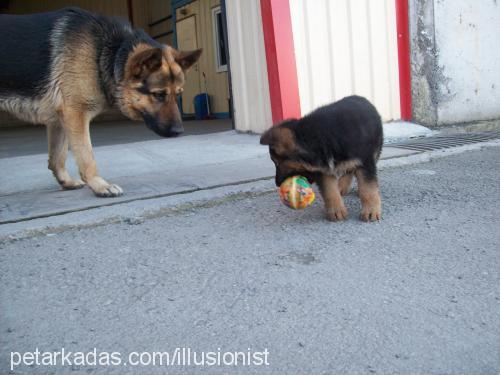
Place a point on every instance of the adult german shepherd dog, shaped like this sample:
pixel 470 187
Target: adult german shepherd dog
pixel 63 68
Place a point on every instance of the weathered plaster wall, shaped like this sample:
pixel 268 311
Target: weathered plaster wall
pixel 423 61
pixel 455 60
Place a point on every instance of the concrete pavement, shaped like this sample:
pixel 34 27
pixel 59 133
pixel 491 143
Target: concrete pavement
pixel 417 293
pixel 223 163
pixel 144 170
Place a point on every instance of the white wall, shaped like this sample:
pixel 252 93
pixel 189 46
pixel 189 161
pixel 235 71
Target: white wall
pixel 346 47
pixel 251 101
pixel 467 37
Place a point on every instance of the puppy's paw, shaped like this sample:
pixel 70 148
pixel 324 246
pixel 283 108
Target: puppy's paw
pixel 337 213
pixel 102 188
pixel 344 190
pixel 371 213
pixel 345 184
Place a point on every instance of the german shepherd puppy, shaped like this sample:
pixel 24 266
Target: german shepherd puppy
pixel 330 146
pixel 63 68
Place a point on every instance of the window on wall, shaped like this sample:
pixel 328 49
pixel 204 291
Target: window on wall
pixel 220 46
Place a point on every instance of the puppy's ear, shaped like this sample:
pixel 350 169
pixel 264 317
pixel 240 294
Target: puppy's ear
pixel 142 62
pixel 267 137
pixel 186 59
pixel 281 139
pixel 286 144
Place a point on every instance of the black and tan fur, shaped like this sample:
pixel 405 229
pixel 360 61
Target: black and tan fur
pixel 330 146
pixel 63 68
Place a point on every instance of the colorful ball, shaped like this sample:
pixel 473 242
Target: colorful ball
pixel 296 192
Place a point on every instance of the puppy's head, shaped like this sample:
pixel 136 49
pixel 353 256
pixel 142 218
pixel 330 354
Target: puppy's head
pixel 286 153
pixel 153 79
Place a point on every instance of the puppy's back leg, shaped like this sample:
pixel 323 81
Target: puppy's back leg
pixel 368 191
pixel 58 151
pixel 334 205
pixel 76 125
pixel 345 183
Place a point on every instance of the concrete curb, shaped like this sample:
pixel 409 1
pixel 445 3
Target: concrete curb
pixel 424 157
pixel 477 126
pixel 133 212
pixel 136 212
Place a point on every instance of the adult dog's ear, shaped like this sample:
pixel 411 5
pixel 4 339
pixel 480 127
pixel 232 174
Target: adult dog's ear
pixel 142 62
pixel 186 59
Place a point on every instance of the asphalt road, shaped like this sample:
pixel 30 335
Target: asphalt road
pixel 417 293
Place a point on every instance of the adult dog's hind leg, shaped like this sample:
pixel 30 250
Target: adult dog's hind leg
pixel 76 125
pixel 334 205
pixel 58 151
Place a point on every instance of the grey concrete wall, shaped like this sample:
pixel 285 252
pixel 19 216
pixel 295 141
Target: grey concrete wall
pixel 454 60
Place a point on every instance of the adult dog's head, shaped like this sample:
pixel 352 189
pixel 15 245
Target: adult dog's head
pixel 153 78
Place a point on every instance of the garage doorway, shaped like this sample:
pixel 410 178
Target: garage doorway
pixel 183 24
pixel 200 24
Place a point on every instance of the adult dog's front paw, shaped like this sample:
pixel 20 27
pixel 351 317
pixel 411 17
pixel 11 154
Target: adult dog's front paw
pixel 72 184
pixel 337 213
pixel 67 183
pixel 102 188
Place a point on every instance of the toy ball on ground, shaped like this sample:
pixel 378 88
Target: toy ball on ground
pixel 296 192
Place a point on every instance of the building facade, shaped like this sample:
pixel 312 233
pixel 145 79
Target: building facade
pixel 433 62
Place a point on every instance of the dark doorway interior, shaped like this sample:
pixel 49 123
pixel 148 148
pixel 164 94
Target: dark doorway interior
pixel 30 140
